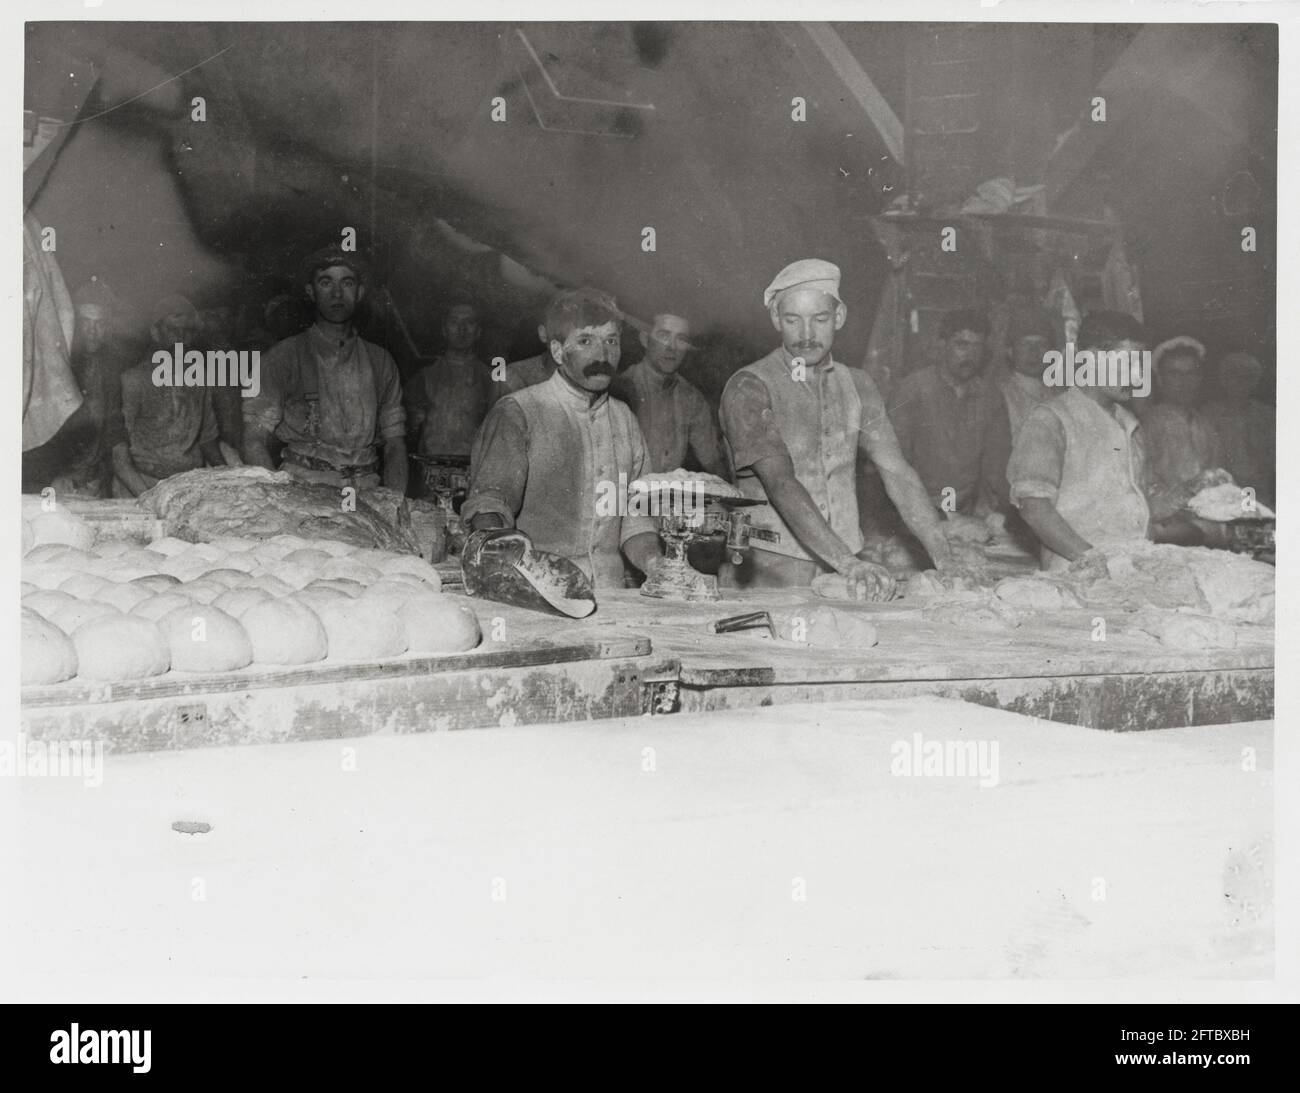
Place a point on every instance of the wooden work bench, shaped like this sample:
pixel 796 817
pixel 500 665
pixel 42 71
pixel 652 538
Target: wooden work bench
pixel 636 655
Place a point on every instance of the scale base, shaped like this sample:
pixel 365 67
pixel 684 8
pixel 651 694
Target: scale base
pixel 677 580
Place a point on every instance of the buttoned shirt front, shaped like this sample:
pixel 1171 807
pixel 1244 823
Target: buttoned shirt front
pixel 818 416
pixel 555 463
pixel 1089 462
pixel 673 416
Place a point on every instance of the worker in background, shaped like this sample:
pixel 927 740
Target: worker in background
pixel 951 422
pixel 530 370
pixel 673 415
pixel 1180 441
pixel 334 399
pixel 79 458
pixel 1030 335
pixel 166 428
pixel 217 332
pixel 447 401
pixel 794 423
pixel 1077 470
pixel 1245 429
pixel 548 453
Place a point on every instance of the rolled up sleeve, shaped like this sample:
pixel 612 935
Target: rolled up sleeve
pixel 264 411
pixel 748 422
pixel 498 465
pixel 390 417
pixel 1038 458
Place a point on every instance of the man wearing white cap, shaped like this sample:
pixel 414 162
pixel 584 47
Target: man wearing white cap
pixel 794 422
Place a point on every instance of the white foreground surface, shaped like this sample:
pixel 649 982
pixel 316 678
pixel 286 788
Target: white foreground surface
pixel 769 843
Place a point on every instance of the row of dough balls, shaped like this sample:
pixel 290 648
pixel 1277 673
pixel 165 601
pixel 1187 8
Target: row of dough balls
pixel 125 612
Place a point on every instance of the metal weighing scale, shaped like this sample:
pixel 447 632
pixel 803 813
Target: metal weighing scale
pixel 683 520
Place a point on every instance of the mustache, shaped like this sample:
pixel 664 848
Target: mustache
pixel 808 345
pixel 598 368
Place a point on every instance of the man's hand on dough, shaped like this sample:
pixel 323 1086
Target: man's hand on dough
pixel 868 581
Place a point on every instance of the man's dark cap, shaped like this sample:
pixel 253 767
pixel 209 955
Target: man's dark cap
pixel 333 256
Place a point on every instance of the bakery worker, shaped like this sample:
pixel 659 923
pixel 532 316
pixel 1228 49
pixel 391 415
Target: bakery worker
pixel 332 398
pixel 166 428
pixel 530 370
pixel 673 415
pixel 1078 469
pixel 549 457
pixel 794 423
pixel 447 400
pixel 1179 438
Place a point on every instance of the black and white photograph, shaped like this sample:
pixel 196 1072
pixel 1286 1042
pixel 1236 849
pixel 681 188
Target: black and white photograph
pixel 609 507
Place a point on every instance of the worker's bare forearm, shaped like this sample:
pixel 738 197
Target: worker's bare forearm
pixel 126 470
pixel 907 492
pixel 788 496
pixel 642 550
pixel 395 469
pixel 1052 529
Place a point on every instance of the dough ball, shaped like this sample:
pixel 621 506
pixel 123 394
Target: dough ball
pixel 119 647
pixel 206 551
pixel 68 617
pixel 227 578
pixel 185 567
pixel 169 546
pixel 348 588
pixel 316 598
pixel 50 552
pixel 335 549
pixel 124 596
pixel 826 628
pixel 348 569
pixel 29 536
pixel 439 624
pixel 47 656
pixel 361 629
pixel 156 582
pixel 1037 593
pixel 46 602
pixel 235 601
pixel 242 562
pixel 205 639
pixel 230 544
pixel 269 583
pixel 47 575
pixel 113 548
pixel 415 567
pixel 61 526
pixel 970 617
pixel 1181 631
pixel 84 585
pixel 155 607
pixel 897 556
pixel 307 556
pixel 285 632
pixel 123 570
pixel 271 551
pixel 295 574
pixel 26 587
pixel 390 593
pixel 203 591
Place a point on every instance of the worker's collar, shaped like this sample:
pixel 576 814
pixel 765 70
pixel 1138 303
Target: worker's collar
pixel 961 388
pixel 1116 411
pixel 576 396
pixel 656 379
pixel 788 358
pixel 332 337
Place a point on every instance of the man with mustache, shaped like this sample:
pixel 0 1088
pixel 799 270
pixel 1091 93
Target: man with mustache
pixel 332 397
pixel 673 415
pixel 795 422
pixel 951 422
pixel 547 453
